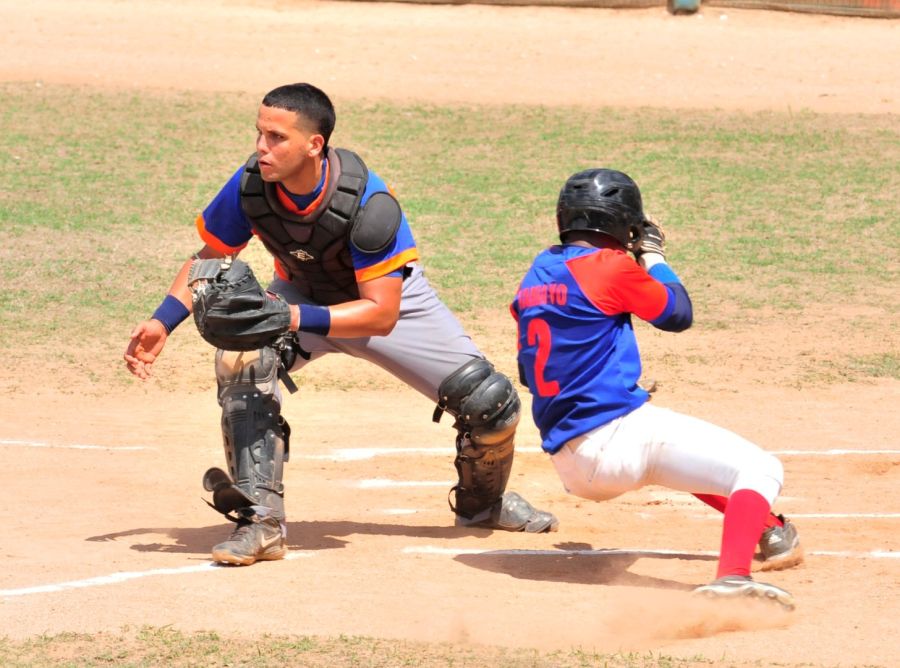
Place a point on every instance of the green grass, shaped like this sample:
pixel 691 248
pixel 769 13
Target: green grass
pixel 100 192
pixel 766 213
pixel 168 647
pixel 881 365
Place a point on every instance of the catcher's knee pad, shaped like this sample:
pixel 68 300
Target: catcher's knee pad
pixel 487 408
pixel 257 368
pixel 255 435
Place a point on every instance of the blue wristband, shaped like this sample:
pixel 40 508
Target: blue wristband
pixel 170 313
pixel 315 319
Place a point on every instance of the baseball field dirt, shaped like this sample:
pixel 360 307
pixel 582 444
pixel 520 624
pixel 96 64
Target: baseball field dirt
pixel 111 510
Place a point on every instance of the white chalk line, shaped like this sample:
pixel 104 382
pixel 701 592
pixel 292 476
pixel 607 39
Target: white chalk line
pixel 707 516
pixel 357 454
pixel 704 516
pixel 382 483
pixel 387 483
pixel 459 551
pixel 824 516
pixel 451 551
pixel 835 452
pixel 115 578
pixel 71 446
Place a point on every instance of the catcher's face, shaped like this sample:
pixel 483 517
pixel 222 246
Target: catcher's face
pixel 287 151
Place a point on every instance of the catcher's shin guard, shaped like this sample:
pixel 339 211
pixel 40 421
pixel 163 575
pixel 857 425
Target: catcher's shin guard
pixel 255 436
pixel 486 407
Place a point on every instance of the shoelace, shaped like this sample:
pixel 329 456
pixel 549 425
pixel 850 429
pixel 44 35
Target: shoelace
pixel 241 530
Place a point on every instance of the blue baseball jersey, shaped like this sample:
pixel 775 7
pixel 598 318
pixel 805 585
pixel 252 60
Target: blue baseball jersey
pixel 577 350
pixel 223 226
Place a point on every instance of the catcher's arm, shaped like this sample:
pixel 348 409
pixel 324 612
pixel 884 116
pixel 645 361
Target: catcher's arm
pixel 375 312
pixel 231 312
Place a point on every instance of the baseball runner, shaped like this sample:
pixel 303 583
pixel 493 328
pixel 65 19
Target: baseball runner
pixel 347 280
pixel 579 358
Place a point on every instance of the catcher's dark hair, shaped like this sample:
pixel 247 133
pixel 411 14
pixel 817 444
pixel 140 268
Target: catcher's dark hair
pixel 305 100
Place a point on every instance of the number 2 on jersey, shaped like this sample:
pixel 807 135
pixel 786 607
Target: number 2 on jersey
pixel 539 334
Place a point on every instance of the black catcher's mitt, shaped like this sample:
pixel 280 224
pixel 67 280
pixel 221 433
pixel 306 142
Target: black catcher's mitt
pixel 231 309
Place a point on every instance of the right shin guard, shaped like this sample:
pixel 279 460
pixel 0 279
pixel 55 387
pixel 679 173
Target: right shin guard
pixel 486 407
pixel 255 436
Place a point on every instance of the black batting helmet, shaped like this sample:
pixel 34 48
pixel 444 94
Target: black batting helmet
pixel 601 200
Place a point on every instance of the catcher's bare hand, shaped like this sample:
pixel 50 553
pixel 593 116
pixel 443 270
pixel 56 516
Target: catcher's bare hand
pixel 147 341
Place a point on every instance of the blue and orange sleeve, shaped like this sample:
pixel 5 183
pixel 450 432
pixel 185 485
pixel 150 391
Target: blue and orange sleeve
pixel 615 284
pixel 392 259
pixel 223 225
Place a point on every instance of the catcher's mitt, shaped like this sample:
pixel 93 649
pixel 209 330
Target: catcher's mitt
pixel 653 239
pixel 231 309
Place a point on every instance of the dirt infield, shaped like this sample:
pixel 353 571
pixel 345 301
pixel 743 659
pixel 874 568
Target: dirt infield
pixel 105 527
pixel 462 53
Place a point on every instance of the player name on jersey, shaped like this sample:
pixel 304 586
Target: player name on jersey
pixel 545 293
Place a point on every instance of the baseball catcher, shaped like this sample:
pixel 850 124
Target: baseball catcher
pixel 347 280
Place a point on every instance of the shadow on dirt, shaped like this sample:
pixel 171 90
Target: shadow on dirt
pixel 574 562
pixel 186 541
pixel 313 535
pixel 597 567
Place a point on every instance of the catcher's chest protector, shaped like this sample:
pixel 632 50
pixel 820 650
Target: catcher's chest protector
pixel 313 249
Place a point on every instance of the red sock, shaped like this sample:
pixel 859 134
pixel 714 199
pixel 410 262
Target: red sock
pixel 721 502
pixel 745 519
pixel 714 500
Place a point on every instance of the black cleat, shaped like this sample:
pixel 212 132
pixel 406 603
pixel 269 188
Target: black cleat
pixel 780 547
pixel 256 539
pixel 512 513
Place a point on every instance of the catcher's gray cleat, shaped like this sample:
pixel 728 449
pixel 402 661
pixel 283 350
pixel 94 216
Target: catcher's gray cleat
pixel 741 586
pixel 780 547
pixel 512 513
pixel 254 539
